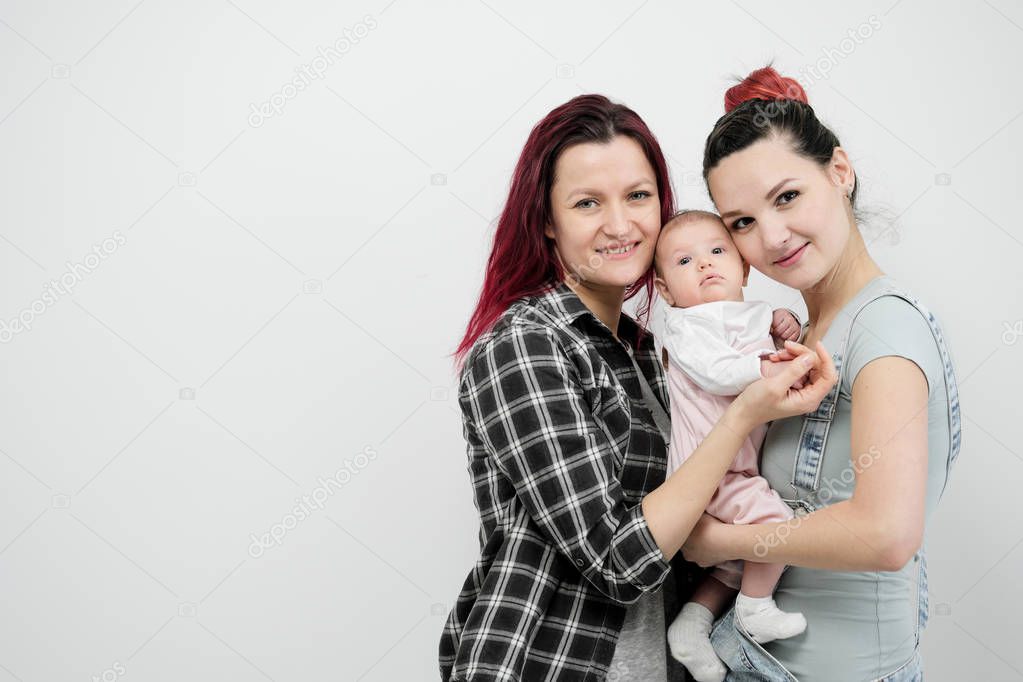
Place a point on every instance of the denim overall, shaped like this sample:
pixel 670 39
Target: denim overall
pixel 746 659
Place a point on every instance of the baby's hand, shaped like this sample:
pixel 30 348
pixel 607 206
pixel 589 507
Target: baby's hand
pixel 772 365
pixel 784 327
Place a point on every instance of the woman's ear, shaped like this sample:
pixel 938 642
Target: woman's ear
pixel 745 272
pixel 549 230
pixel 840 170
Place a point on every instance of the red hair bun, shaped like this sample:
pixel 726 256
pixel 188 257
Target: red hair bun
pixel 767 84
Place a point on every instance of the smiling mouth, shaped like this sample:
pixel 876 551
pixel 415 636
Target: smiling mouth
pixel 790 255
pixel 620 249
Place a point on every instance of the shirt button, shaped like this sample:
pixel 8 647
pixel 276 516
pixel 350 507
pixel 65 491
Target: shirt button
pixel 580 562
pixel 801 511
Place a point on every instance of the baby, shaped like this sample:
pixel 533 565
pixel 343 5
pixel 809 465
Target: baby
pixel 715 342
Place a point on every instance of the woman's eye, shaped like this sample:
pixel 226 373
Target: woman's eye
pixel 741 223
pixel 586 203
pixel 641 194
pixel 685 259
pixel 786 197
pixel 717 250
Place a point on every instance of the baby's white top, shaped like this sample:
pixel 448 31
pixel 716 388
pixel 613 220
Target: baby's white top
pixel 715 343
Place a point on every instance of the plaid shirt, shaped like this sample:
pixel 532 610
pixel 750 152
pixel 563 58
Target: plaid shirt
pixel 561 450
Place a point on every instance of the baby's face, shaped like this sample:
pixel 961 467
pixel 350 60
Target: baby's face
pixel 699 264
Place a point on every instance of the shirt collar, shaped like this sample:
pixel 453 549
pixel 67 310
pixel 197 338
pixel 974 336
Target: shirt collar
pixel 561 302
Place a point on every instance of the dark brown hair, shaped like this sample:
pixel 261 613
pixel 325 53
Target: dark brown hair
pixel 763 105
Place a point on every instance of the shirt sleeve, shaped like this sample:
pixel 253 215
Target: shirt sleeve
pixel 706 358
pixel 523 398
pixel 891 326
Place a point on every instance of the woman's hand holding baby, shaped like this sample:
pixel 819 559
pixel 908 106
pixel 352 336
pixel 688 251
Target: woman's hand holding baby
pixel 772 365
pixel 776 396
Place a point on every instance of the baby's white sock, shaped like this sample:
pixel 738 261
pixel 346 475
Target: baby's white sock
pixel 689 641
pixel 764 621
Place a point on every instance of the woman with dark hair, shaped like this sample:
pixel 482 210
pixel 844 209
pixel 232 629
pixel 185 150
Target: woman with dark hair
pixel 866 468
pixel 564 400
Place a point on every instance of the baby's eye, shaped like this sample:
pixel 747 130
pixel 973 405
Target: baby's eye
pixel 787 196
pixel 741 223
pixel 685 259
pixel 586 203
pixel 717 250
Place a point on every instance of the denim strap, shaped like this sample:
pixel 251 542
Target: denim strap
pixel 813 438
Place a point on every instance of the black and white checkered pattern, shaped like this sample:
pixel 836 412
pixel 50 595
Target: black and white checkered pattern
pixel 561 450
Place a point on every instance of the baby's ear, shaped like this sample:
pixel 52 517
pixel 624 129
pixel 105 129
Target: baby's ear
pixel 662 289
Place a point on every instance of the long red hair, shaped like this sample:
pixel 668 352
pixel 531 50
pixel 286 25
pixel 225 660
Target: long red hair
pixel 522 261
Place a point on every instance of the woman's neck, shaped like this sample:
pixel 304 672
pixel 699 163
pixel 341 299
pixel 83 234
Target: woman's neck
pixel 604 302
pixel 854 270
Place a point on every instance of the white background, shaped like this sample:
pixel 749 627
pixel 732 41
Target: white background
pixel 288 291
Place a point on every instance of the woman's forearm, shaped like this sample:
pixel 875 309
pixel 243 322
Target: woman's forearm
pixel 674 507
pixel 840 537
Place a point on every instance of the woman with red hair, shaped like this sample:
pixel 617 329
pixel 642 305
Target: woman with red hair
pixel 563 403
pixel 865 469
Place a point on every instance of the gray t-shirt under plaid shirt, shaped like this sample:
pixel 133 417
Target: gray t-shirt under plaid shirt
pixel 640 653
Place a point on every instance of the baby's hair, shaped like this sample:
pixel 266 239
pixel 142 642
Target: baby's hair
pixel 678 220
pixel 689 215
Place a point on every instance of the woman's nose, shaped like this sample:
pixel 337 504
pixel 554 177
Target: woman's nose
pixel 774 234
pixel 617 220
